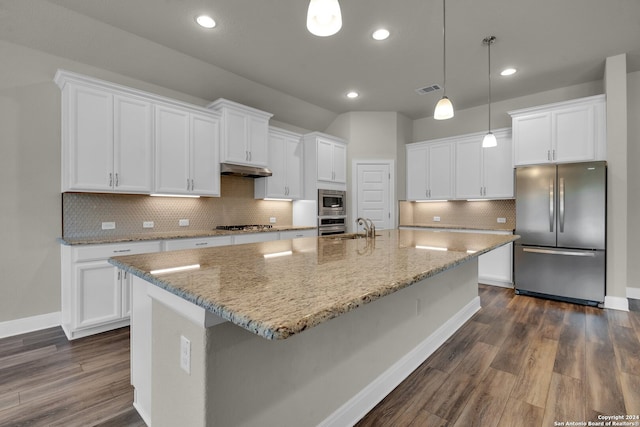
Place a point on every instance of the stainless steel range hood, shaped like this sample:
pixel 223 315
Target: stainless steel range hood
pixel 245 171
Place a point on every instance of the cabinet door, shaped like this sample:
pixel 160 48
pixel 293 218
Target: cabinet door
pixel 276 183
pixel 324 150
pixel 340 163
pixel 172 151
pixel 205 162
pixel 293 168
pixel 532 139
pixel 235 137
pixel 89 130
pixel 498 169
pixel 98 294
pixel 440 171
pixel 469 182
pixel 495 267
pixel 417 173
pixel 258 142
pixel 132 145
pixel 573 134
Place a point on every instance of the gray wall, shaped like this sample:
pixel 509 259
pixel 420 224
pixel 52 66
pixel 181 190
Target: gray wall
pixel 633 179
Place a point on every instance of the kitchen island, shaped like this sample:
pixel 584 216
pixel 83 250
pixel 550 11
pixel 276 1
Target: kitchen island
pixel 262 348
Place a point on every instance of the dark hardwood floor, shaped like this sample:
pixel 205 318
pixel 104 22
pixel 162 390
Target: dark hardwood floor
pixel 519 361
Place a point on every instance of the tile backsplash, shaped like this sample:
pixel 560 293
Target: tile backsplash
pixel 84 213
pixel 461 213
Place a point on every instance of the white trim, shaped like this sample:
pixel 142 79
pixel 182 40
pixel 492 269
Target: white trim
pixel 495 282
pixel 616 303
pixel 360 404
pixel 145 417
pixel 29 324
pixel 633 293
pixel 354 190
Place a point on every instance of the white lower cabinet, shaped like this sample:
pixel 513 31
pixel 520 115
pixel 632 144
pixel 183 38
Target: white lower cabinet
pixel 95 294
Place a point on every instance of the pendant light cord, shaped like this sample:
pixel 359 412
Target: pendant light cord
pixel 444 48
pixel 489 73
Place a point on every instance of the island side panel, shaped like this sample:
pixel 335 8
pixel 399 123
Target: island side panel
pixel 307 379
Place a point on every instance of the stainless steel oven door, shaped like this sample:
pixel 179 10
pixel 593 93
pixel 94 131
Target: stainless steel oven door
pixel 332 229
pixel 332 225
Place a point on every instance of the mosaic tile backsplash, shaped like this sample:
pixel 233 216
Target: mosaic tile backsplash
pixel 84 213
pixel 460 213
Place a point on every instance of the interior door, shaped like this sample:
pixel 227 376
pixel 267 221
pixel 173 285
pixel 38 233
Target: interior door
pixel 536 191
pixel 373 194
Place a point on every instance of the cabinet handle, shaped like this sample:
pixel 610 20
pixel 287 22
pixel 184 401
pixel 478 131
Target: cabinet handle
pixel 249 155
pixel 119 274
pixel 187 184
pixel 125 275
pixel 192 186
pixel 202 244
pixel 549 155
pixel 110 179
pixel 121 251
pixel 117 180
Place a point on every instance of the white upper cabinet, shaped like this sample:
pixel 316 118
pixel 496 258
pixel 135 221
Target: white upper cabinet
pixel 107 140
pixel 430 170
pixel 325 163
pixel 187 145
pixel 484 172
pixel 285 162
pixel 244 133
pixel 564 132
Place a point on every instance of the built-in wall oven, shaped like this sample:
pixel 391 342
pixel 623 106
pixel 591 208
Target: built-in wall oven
pixel 332 203
pixel 328 225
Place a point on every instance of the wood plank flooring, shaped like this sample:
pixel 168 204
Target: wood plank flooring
pixel 523 361
pixel 519 361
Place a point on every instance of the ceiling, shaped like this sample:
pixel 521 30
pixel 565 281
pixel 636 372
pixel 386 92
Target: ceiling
pixel 552 43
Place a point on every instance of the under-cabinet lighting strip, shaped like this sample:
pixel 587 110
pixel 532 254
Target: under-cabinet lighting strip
pixel 176 195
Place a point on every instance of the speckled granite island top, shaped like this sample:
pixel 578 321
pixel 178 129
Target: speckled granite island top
pixel 277 289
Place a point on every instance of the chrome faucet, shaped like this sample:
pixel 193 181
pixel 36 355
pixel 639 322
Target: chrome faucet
pixel 369 227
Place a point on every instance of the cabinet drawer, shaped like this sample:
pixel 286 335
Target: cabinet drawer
pixel 97 252
pixel 178 244
pixel 295 234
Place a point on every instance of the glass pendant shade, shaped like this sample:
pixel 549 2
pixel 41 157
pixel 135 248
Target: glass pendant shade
pixel 489 140
pixel 324 17
pixel 444 109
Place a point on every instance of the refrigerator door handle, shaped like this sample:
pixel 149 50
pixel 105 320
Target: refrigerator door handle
pixel 561 202
pixel 554 252
pixel 551 206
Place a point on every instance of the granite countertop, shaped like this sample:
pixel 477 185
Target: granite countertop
pixel 305 281
pixel 458 227
pixel 172 235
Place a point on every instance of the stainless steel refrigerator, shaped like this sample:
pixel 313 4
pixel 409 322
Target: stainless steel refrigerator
pixel 561 218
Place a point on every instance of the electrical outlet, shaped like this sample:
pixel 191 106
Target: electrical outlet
pixel 108 225
pixel 272 220
pixel 502 220
pixel 185 354
pixel 148 224
pixel 436 219
pixel 183 223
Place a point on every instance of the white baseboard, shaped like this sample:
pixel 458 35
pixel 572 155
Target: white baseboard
pixel 360 404
pixel 633 293
pixel 616 303
pixel 29 324
pixel 499 283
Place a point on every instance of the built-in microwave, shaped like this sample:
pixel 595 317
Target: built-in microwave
pixel 332 202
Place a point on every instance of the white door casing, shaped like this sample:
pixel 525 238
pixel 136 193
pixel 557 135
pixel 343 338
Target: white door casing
pixel 373 192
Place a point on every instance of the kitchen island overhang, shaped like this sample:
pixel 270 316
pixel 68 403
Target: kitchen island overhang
pixel 333 372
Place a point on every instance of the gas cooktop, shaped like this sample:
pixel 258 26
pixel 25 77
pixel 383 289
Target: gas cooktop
pixel 256 227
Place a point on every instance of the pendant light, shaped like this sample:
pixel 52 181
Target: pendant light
pixel 489 139
pixel 324 17
pixel 444 108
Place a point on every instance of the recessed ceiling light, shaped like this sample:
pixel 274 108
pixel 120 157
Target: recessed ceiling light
pixel 508 71
pixel 205 21
pixel 380 34
pixel 353 94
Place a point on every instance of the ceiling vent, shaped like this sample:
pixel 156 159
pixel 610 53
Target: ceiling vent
pixel 428 89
